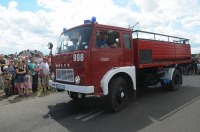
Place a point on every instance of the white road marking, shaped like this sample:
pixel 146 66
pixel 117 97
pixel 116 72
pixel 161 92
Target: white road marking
pixel 154 120
pixel 89 113
pixel 94 115
pixel 179 108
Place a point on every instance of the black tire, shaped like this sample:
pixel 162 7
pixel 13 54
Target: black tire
pixel 74 96
pixel 118 94
pixel 176 80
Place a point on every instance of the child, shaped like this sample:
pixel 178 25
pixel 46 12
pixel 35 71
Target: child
pixel 7 76
pixel 27 83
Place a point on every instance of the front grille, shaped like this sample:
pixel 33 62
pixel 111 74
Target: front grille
pixel 65 75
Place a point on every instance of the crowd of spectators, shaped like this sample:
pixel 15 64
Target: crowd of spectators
pixel 193 67
pixel 20 74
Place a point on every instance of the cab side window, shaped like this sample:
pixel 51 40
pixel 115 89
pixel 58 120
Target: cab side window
pixel 127 41
pixel 107 39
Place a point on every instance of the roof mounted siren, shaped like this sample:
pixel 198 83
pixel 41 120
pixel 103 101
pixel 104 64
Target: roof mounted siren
pixel 93 20
pixel 87 21
pixel 64 30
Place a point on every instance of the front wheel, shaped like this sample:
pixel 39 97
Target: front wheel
pixel 118 94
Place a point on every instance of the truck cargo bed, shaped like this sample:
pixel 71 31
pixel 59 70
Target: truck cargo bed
pixel 152 52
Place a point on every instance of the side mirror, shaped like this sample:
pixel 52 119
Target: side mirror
pixel 50 45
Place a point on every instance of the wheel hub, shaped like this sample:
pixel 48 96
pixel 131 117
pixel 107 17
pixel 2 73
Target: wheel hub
pixel 122 94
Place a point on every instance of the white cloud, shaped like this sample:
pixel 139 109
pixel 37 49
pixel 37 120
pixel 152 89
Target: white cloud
pixel 29 30
pixel 189 22
pixel 195 50
pixel 12 5
pixel 147 6
pixel 23 30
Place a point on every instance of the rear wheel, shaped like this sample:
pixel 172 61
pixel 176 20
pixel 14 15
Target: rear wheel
pixel 176 80
pixel 118 94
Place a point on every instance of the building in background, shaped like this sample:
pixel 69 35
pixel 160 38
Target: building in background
pixel 30 53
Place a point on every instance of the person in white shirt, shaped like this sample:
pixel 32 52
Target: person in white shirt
pixel 44 73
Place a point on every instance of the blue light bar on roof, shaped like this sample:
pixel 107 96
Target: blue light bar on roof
pixel 87 21
pixel 64 29
pixel 93 20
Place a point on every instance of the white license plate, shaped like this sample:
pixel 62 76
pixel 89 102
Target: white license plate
pixel 60 86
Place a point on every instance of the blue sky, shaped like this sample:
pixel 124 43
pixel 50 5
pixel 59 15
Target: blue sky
pixel 23 5
pixel 31 24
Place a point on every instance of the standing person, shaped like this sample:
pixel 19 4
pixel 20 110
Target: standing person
pixel 33 68
pixel 27 60
pixel 27 83
pixel 195 65
pixel 44 72
pixel 38 74
pixel 1 81
pixel 2 64
pixel 13 57
pixel 7 76
pixel 7 60
pixel 50 66
pixel 38 58
pixel 12 70
pixel 21 71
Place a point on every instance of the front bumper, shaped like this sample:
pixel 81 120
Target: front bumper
pixel 72 88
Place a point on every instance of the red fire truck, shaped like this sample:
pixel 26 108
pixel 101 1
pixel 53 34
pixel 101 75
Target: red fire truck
pixel 103 60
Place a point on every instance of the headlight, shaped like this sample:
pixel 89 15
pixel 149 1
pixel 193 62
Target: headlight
pixel 77 80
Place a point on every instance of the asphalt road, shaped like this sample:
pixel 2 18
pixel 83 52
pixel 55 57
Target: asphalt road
pixel 155 110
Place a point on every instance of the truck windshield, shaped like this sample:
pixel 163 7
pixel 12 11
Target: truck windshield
pixel 77 39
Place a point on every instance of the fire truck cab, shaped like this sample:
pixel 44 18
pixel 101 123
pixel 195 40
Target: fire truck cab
pixel 103 60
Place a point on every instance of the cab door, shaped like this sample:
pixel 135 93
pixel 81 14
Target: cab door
pixel 128 51
pixel 103 58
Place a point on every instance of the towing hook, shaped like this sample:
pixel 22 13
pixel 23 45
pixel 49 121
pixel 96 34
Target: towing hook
pixel 80 95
